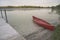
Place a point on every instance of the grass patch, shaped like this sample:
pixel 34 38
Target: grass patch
pixel 56 34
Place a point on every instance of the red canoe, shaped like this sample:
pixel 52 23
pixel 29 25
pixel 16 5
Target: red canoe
pixel 43 23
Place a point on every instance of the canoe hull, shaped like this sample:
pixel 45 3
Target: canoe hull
pixel 43 23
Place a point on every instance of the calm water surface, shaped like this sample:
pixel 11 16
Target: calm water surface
pixel 21 19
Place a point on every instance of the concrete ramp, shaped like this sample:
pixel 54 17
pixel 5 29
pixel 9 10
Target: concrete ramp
pixel 7 32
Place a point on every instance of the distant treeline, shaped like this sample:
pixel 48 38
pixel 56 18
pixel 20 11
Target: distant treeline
pixel 56 7
pixel 22 7
pixel 19 6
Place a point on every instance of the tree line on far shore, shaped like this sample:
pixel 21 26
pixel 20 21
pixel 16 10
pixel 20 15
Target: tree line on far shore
pixel 23 7
pixel 57 6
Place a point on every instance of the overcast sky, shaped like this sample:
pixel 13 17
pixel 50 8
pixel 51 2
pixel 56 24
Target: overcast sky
pixel 29 2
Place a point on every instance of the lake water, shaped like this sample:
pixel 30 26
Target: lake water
pixel 21 19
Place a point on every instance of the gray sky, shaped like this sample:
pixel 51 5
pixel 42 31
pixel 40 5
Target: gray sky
pixel 29 2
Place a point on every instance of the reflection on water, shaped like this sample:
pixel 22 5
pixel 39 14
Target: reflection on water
pixel 58 12
pixel 21 20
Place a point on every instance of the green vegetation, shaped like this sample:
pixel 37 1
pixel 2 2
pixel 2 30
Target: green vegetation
pixel 56 34
pixel 58 6
pixel 53 7
pixel 23 7
pixel 19 6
